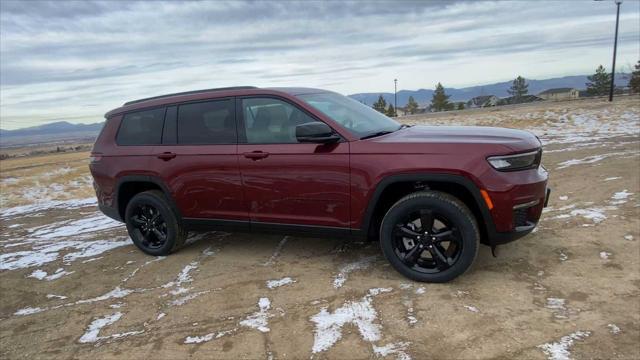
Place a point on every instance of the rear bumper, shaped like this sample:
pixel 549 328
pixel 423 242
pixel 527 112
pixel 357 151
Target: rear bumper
pixel 110 212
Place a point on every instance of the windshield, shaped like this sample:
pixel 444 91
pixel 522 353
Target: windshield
pixel 358 118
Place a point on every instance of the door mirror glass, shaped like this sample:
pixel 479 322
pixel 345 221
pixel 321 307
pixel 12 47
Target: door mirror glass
pixel 316 132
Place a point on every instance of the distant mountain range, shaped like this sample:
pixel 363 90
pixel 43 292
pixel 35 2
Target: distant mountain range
pixel 423 96
pixel 56 132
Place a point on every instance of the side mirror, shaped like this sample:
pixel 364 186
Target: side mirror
pixel 316 132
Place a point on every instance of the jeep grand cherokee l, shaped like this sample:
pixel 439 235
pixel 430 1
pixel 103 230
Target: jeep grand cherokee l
pixel 313 162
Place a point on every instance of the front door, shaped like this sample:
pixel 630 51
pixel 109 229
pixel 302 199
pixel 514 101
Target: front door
pixel 287 182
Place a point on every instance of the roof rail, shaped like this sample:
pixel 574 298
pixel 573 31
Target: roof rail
pixel 189 93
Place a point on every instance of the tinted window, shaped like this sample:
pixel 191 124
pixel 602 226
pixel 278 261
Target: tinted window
pixel 269 121
pixel 141 128
pixel 209 122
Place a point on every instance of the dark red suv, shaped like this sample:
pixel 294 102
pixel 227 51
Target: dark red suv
pixel 312 162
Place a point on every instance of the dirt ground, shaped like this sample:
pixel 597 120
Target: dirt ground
pixel 73 286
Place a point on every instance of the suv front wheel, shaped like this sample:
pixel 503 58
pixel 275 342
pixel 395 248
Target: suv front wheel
pixel 153 225
pixel 430 236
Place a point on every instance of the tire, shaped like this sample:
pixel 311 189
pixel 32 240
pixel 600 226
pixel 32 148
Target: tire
pixel 449 249
pixel 140 213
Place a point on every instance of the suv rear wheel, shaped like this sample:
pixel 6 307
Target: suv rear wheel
pixel 153 225
pixel 430 236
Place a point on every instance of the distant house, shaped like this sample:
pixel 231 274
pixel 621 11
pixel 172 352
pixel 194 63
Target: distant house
pixel 519 100
pixel 482 101
pixel 560 94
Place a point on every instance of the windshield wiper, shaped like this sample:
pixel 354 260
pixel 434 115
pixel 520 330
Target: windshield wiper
pixel 379 133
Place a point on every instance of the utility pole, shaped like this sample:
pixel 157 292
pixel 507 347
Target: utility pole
pixel 395 93
pixel 615 47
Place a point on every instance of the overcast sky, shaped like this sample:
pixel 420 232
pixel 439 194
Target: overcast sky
pixel 75 61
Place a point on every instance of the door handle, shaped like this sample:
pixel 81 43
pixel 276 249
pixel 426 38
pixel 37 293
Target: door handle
pixel 166 156
pixel 256 155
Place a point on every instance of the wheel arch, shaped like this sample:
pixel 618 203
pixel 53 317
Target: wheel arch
pixel 391 188
pixel 130 185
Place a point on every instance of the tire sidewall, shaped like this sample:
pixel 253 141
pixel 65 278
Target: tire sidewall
pixel 461 220
pixel 167 214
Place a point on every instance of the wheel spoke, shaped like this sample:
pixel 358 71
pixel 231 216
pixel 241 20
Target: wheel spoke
pixel 404 229
pixel 158 233
pixel 412 256
pixel 439 258
pixel 426 220
pixel 447 235
pixel 137 220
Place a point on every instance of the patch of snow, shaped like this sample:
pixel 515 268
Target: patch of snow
pixel 53 296
pixel 614 329
pixel 612 178
pixel 628 237
pixel 421 290
pixel 472 308
pixel 272 284
pixel 183 300
pixel 92 332
pixel 116 306
pixel 558 306
pixel 360 313
pixel 116 293
pixel 399 349
pixel 343 274
pixel 42 275
pixel 160 316
pixel 276 252
pixel 207 337
pixel 593 159
pixel 604 255
pixel 29 311
pixel 560 350
pixel 563 197
pixel 48 205
pixel 258 320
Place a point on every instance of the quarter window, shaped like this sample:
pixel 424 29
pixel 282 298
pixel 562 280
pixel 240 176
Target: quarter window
pixel 210 122
pixel 141 128
pixel 271 121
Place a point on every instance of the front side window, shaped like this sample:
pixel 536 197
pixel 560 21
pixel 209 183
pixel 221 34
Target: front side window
pixel 210 122
pixel 141 128
pixel 271 121
pixel 356 117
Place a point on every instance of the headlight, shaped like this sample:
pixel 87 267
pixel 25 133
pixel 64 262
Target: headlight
pixel 529 160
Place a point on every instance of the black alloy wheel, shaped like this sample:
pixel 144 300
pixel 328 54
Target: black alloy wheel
pixel 153 224
pixel 430 236
pixel 149 226
pixel 427 242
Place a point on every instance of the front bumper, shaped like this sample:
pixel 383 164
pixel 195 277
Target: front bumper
pixel 499 238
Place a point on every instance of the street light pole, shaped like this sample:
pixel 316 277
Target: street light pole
pixel 395 97
pixel 615 47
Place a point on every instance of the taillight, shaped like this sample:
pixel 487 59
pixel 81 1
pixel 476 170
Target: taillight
pixel 94 158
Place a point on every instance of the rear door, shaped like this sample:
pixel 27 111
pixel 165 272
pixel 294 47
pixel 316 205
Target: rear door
pixel 287 182
pixel 198 160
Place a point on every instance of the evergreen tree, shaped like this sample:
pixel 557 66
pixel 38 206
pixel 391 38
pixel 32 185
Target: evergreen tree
pixel 440 100
pixel 391 112
pixel 412 105
pixel 634 82
pixel 460 106
pixel 380 105
pixel 599 83
pixel 519 88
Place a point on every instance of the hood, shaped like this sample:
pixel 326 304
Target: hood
pixel 514 140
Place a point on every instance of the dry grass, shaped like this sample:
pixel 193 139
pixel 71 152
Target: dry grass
pixel 56 176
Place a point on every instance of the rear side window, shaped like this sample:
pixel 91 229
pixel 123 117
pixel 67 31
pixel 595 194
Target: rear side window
pixel 211 122
pixel 141 128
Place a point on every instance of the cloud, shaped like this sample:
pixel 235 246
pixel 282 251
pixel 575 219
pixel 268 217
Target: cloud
pixel 77 60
